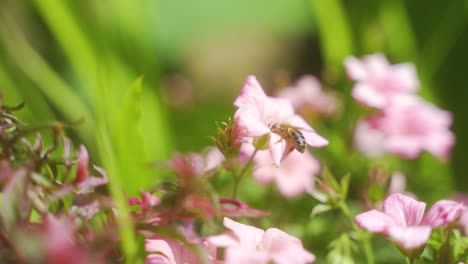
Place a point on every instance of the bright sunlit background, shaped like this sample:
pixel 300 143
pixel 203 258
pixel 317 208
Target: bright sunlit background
pixel 72 60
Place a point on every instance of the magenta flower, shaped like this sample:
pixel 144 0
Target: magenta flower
pixel 147 201
pixel 294 176
pixel 247 244
pixel 194 164
pixel 403 220
pixel 377 80
pixel 257 113
pixel 307 92
pixel 82 167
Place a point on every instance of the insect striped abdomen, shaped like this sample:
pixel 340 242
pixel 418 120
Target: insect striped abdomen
pixel 298 141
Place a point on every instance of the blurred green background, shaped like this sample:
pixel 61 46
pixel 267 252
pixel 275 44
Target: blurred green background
pixel 152 77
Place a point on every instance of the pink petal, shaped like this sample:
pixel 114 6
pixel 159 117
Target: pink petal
pixel 160 246
pixel 443 213
pixel 355 69
pixel 369 140
pixel 247 256
pixel 404 210
pixel 407 76
pixel 397 183
pixel 249 122
pixel 250 93
pixel 312 138
pixel 374 221
pixel 405 146
pixel 410 237
pixel 82 168
pixel 157 259
pixel 248 236
pixel 293 181
pixel 285 248
pixel 225 240
pixel 213 158
pixel 277 148
pixel 440 144
pixel 368 95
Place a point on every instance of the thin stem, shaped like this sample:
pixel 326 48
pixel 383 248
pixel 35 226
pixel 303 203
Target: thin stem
pixel 366 245
pixel 237 178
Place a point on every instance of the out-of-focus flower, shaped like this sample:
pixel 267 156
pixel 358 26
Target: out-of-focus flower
pixel 397 183
pixel 406 127
pixel 463 222
pixel 403 220
pixel 368 138
pixel 377 80
pixel 294 176
pixel 171 251
pixel 213 158
pixel 248 244
pixel 91 182
pixel 307 92
pixel 82 167
pixel 412 125
pixel 257 113
pixel 60 242
pixel 194 164
pixel 168 251
pixel 147 201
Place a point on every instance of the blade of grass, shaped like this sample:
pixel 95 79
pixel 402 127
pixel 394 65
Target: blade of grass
pixel 335 33
pixel 59 93
pixel 72 39
pixel 443 37
pixel 397 27
pixel 126 231
pixel 129 141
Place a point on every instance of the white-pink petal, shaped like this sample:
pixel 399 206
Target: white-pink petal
pixel 410 237
pixel 404 210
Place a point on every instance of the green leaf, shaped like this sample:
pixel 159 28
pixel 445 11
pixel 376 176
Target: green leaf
pixel 330 180
pixel 129 142
pixel 335 33
pixel 345 185
pixel 320 209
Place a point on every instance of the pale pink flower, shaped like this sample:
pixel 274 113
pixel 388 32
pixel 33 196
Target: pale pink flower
pixel 368 138
pixel 406 127
pixel 171 251
pixel 248 244
pixel 463 222
pixel 307 92
pixel 294 176
pixel 257 113
pixel 377 80
pixel 397 183
pixel 213 158
pixel 403 220
pixel 412 125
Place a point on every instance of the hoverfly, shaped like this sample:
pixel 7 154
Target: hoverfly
pixel 291 134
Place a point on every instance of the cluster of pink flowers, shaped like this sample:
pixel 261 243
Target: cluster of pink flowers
pixel 404 222
pixel 405 124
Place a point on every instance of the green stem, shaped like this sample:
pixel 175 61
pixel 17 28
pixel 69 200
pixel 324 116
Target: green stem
pixel 237 178
pixel 366 243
